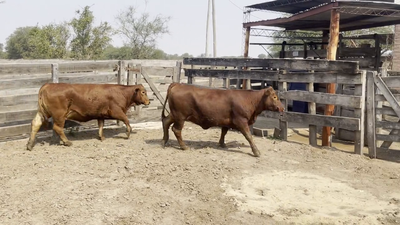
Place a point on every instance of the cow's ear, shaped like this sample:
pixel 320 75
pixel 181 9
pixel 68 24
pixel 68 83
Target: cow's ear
pixel 137 90
pixel 268 91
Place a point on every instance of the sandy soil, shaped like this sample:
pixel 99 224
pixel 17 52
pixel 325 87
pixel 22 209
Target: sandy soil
pixel 135 181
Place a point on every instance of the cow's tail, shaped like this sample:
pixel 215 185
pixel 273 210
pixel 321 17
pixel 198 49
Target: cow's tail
pixel 166 99
pixel 42 107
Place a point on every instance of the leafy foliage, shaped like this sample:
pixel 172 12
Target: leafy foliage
pixel 140 32
pixel 89 42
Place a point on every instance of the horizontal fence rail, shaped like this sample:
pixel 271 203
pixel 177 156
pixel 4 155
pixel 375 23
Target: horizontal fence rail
pixel 20 83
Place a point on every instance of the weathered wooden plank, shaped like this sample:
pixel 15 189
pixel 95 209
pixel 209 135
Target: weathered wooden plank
pixel 24 68
pixel 158 71
pixel 318 120
pixel 312 110
pixel 95 79
pixel 381 84
pixel 380 97
pixel 360 90
pixel 323 98
pixel 357 52
pixel 153 88
pixel 385 111
pixel 268 75
pixel 12 100
pixel 88 66
pixel 388 138
pixel 20 115
pixel 290 64
pixel 392 81
pixel 388 125
pixel 15 130
pixel 283 125
pixel 25 83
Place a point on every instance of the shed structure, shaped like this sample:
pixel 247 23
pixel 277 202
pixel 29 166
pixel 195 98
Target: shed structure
pixel 327 18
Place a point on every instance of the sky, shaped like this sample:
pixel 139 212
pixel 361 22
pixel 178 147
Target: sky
pixel 187 26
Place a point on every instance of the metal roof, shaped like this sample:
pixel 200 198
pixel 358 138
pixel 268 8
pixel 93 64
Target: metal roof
pixel 293 6
pixel 354 15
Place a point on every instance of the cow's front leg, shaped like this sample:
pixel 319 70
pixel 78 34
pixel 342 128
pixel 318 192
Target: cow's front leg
pixel 224 130
pixel 177 129
pixel 58 127
pixel 101 126
pixel 120 115
pixel 167 121
pixel 35 126
pixel 245 130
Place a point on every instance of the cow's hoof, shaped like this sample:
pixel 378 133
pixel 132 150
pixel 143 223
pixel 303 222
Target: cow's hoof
pixel 29 147
pixel 163 144
pixel 185 147
pixel 256 154
pixel 102 138
pixel 68 143
pixel 223 145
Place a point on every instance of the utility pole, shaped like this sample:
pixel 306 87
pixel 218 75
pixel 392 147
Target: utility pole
pixel 214 32
pixel 208 21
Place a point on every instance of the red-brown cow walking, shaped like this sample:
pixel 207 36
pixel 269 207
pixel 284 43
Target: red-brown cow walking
pixel 84 102
pixel 207 107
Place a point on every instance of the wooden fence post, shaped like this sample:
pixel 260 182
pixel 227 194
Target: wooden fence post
pixel 283 125
pixel 359 90
pixel 54 72
pixel 371 127
pixel 312 110
pixel 138 80
pixel 119 76
pixel 176 77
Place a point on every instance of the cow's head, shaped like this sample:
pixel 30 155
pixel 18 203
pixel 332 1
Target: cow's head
pixel 141 96
pixel 272 101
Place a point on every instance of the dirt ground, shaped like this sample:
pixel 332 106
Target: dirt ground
pixel 135 181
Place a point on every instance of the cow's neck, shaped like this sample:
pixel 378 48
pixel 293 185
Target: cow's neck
pixel 258 105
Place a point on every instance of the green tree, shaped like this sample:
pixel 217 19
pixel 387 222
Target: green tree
pixel 89 42
pixel 120 53
pixel 48 42
pixel 140 32
pixel 3 54
pixel 262 56
pixel 17 43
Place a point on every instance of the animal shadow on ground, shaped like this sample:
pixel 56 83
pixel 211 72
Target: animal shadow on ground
pixel 92 134
pixel 201 145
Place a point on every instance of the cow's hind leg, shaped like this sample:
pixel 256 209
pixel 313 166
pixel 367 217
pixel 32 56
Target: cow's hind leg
pixel 167 121
pixel 58 127
pixel 35 126
pixel 177 129
pixel 224 130
pixel 101 125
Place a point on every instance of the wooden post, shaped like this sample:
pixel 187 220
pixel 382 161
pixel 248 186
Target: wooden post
pixel 313 111
pixel 246 55
pixel 120 72
pixel 177 72
pixel 54 72
pixel 359 90
pixel 119 77
pixel 129 76
pixel 190 79
pixel 330 88
pixel 371 131
pixel 283 125
pixel 138 80
pixel 377 52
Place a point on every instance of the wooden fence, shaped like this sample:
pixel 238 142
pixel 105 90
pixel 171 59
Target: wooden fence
pixel 20 83
pixel 285 71
pixel 383 110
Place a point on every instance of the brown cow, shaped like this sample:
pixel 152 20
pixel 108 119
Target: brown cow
pixel 206 107
pixel 84 102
